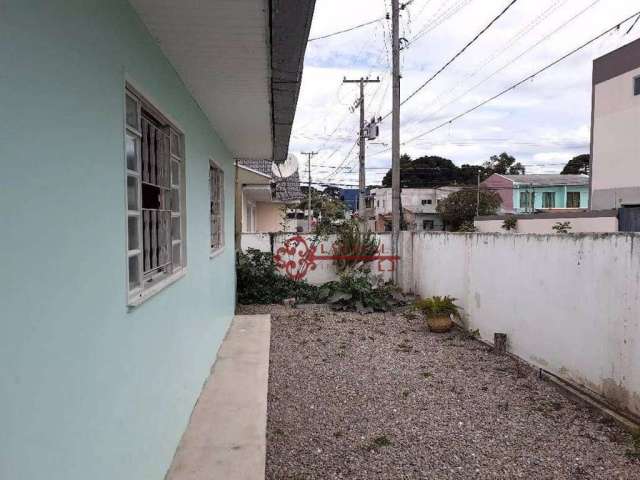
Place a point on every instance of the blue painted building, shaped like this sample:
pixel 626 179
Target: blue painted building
pixel 535 192
pixel 121 122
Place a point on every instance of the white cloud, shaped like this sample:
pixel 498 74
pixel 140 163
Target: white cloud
pixel 543 122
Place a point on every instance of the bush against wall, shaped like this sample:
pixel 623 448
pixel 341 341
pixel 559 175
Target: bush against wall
pixel 259 283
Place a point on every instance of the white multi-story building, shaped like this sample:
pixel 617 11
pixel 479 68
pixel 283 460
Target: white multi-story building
pixel 418 206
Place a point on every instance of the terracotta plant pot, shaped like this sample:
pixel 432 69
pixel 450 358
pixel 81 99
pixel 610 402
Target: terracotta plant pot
pixel 439 323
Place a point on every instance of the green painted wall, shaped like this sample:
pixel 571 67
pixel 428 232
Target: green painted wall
pixel 89 390
pixel 560 192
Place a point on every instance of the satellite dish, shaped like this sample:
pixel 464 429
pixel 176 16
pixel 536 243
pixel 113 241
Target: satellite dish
pixel 286 168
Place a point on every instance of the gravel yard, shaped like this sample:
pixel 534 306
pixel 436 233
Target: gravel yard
pixel 378 397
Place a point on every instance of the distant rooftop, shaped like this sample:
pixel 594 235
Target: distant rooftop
pixel 549 180
pixel 285 189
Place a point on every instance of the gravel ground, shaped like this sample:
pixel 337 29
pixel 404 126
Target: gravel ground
pixel 378 397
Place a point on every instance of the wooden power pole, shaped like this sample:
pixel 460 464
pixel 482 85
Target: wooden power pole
pixel 362 184
pixel 309 156
pixel 395 136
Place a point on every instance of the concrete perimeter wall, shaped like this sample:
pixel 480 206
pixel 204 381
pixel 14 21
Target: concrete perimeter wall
pixel 320 267
pixel 569 303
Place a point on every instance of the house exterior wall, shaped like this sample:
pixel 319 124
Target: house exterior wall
pixel 560 196
pixel 576 313
pixel 88 389
pixel 615 142
pixel 503 187
pixel 269 217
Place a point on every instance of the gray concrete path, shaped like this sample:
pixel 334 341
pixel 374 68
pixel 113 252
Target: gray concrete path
pixel 226 436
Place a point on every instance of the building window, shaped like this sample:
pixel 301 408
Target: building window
pixel 527 200
pixel 427 225
pixel 573 199
pixel 154 161
pixel 636 86
pixel 549 200
pixel 216 197
pixel 427 202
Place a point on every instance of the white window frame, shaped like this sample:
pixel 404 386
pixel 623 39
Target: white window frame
pixel 215 166
pixel 144 285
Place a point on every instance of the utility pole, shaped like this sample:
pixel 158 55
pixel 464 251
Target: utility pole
pixel 309 156
pixel 395 136
pixel 362 185
pixel 478 196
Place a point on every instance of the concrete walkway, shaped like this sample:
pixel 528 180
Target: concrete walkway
pixel 226 436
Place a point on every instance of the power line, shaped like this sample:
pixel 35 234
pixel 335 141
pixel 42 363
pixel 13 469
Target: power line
pixel 516 85
pixel 513 60
pixel 346 30
pixel 457 55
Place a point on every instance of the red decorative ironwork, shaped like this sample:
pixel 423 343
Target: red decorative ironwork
pixel 307 258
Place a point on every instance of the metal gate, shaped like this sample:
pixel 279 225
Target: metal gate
pixel 629 219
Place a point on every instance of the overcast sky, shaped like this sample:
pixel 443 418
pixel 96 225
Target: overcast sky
pixel 543 123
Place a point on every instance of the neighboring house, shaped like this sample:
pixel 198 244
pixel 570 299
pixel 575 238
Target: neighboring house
pixel 418 206
pixel 615 138
pixel 524 194
pixel 120 125
pixel 615 143
pixel 263 195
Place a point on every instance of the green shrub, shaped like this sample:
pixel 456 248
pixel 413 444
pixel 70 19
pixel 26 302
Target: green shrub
pixel 358 290
pixel 260 283
pixel 510 223
pixel 438 306
pixel 352 243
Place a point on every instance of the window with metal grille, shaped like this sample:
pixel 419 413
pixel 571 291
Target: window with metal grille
pixel 549 200
pixel 573 199
pixel 216 194
pixel 154 158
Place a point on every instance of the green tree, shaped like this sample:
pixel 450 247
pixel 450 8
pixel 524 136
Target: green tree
pixel 504 164
pixel 460 207
pixel 323 203
pixel 577 165
pixel 425 172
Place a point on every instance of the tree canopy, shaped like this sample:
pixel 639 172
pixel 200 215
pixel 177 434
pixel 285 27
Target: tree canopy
pixel 577 165
pixel 503 164
pixel 434 171
pixel 460 207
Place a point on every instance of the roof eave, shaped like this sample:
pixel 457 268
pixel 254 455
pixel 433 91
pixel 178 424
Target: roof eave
pixel 290 22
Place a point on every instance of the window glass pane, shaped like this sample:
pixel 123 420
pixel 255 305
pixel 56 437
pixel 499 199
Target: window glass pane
pixel 175 228
pixel 175 173
pixel 175 200
pixel 636 86
pixel 176 144
pixel 131 153
pixel 132 113
pixel 134 237
pixel 134 272
pixel 132 193
pixel 177 254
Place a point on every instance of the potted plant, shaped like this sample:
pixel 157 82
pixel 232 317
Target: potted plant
pixel 439 312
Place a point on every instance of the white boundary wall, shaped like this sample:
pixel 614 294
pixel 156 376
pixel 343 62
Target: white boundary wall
pixel 569 303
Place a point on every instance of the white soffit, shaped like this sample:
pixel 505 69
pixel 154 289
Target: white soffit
pixel 220 49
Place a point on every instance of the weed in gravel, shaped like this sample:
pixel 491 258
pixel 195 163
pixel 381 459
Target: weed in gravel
pixel 379 442
pixel 426 374
pixel 406 393
pixel 338 434
pixel 634 451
